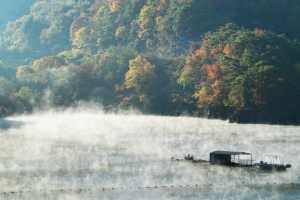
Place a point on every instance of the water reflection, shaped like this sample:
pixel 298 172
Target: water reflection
pixel 63 151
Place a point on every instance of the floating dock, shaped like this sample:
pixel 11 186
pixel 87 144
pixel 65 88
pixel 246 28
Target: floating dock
pixel 231 158
pixel 239 159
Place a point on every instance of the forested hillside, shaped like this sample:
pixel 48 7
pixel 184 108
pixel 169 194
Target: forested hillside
pixel 237 60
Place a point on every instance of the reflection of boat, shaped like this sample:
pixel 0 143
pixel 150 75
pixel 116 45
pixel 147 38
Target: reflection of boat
pixel 272 162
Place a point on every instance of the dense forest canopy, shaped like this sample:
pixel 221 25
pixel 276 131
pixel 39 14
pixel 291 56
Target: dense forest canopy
pixel 237 60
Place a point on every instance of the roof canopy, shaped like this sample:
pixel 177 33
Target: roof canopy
pixel 230 153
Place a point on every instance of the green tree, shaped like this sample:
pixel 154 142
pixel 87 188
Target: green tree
pixel 7 88
pixel 26 93
pixel 113 64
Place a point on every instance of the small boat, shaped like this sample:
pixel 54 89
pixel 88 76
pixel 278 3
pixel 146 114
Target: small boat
pixel 176 159
pixel 189 158
pixel 272 162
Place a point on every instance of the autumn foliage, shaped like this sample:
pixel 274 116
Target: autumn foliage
pixel 246 73
pixel 159 56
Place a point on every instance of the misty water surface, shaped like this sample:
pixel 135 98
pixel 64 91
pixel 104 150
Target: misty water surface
pixel 76 153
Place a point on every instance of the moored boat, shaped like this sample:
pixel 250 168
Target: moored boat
pixel 272 162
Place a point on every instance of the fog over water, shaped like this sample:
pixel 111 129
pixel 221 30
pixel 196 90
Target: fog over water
pixel 74 154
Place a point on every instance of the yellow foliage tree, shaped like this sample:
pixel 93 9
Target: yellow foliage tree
pixel 81 38
pixel 141 75
pixel 43 67
pixel 25 74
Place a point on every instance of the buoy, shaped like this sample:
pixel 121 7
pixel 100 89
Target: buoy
pixel 242 182
pixel 196 185
pixel 103 188
pixel 113 188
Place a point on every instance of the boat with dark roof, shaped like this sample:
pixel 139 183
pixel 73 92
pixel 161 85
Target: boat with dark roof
pixel 231 158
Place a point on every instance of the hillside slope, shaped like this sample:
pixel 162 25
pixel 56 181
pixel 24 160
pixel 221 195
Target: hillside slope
pixel 232 59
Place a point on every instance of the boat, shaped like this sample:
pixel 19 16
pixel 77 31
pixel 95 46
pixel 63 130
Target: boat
pixel 272 162
pixel 176 159
pixel 190 159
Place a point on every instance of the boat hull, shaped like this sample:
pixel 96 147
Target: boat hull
pixel 271 167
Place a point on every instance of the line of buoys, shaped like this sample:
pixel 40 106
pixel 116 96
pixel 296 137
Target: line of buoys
pixel 164 186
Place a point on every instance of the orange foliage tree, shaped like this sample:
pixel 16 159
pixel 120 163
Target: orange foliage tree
pixel 241 71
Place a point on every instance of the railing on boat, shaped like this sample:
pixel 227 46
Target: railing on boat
pixel 243 162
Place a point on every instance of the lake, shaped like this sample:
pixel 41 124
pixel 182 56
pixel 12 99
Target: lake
pixel 84 153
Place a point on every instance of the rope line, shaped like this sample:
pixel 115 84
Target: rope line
pixel 148 187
